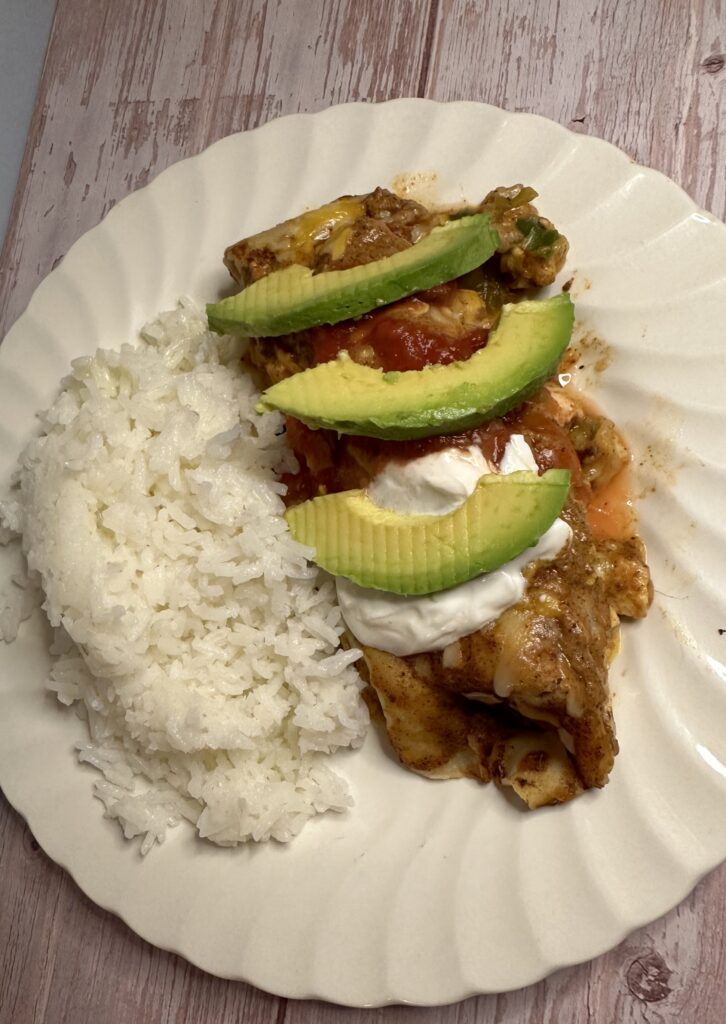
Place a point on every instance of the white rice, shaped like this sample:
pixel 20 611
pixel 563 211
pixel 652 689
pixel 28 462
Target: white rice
pixel 202 648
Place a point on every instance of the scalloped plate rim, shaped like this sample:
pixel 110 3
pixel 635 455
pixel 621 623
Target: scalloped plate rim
pixel 613 151
pixel 51 841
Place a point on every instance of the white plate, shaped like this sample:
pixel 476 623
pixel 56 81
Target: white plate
pixel 427 892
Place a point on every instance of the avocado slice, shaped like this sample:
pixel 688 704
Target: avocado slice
pixel 415 554
pixel 294 299
pixel 520 355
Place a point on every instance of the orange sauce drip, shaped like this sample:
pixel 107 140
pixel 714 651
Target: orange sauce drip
pixel 610 513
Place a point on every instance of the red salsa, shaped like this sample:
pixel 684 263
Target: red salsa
pixel 330 463
pixel 407 335
pixel 410 335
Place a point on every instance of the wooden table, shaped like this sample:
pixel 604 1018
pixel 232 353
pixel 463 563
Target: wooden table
pixel 131 86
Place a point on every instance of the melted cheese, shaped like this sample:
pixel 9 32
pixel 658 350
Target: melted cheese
pixel 294 240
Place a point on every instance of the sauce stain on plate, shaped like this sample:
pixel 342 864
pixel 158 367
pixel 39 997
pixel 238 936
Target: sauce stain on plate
pixel 421 186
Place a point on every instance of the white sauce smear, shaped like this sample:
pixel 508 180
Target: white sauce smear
pixel 437 484
pixel 433 485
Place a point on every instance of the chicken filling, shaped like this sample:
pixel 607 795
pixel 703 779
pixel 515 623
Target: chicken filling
pixel 524 700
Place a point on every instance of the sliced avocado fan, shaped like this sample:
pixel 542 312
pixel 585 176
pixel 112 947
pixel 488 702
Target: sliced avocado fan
pixel 416 554
pixel 294 299
pixel 520 355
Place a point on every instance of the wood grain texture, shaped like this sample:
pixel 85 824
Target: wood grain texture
pixel 647 76
pixel 128 88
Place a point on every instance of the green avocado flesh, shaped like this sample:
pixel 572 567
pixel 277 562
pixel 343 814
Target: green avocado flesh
pixel 294 299
pixel 520 355
pixel 414 554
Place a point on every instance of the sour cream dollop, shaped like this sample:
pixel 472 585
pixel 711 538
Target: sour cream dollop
pixel 436 484
pixel 433 485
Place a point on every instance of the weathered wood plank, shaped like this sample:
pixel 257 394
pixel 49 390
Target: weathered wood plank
pixel 651 78
pixel 132 86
